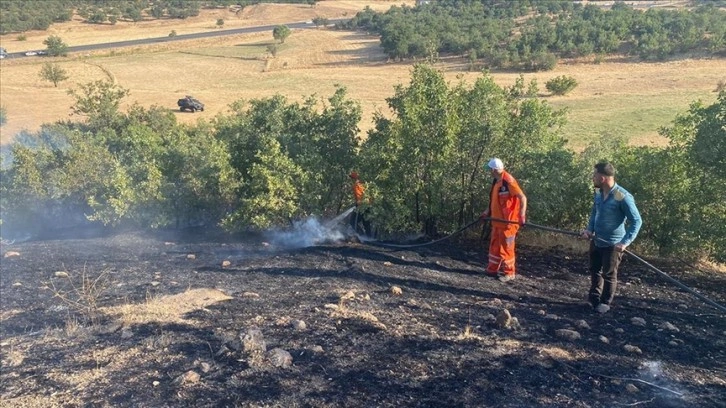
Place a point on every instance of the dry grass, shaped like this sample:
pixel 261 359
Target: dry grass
pixel 166 309
pixel 629 99
pixel 76 32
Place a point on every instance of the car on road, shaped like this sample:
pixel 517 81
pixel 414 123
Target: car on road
pixel 190 103
pixel 31 53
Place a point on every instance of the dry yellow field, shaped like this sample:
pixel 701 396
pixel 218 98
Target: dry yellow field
pixel 632 99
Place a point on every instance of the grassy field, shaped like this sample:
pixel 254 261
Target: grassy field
pixel 629 99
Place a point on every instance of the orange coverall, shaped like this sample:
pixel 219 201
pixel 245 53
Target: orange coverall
pixel 358 191
pixel 503 204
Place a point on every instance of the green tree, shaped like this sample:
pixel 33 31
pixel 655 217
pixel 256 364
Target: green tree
pixel 56 46
pixel 199 184
pixel 97 16
pixel 320 21
pixel 3 115
pixel 426 162
pixel 133 13
pixel 220 22
pixel 53 73
pixel 280 33
pixel 99 102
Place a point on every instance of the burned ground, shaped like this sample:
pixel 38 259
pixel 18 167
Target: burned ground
pixel 168 327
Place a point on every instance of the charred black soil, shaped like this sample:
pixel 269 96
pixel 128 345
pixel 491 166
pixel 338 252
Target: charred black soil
pixel 133 320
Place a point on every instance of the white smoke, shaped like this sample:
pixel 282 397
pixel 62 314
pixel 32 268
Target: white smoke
pixel 311 232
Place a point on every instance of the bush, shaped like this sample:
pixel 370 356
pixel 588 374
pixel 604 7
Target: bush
pixel 542 61
pixel 172 33
pixel 561 85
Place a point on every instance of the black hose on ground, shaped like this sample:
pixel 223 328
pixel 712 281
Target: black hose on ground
pixel 566 232
pixel 459 231
pixel 651 267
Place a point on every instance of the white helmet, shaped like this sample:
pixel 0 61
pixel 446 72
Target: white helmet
pixel 495 164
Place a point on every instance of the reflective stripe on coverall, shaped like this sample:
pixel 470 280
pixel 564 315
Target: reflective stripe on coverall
pixel 504 204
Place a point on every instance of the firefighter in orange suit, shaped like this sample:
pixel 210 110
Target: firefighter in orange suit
pixel 358 219
pixel 507 202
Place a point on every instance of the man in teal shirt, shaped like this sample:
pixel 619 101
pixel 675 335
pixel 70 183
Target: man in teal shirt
pixel 612 206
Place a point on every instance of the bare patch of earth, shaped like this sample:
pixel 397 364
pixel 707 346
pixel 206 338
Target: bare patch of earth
pixel 205 321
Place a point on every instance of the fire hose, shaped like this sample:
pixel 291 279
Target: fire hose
pixel 572 233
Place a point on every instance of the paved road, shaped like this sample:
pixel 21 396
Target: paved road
pixel 216 33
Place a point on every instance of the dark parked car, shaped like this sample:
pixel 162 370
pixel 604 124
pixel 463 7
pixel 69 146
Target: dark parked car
pixel 190 103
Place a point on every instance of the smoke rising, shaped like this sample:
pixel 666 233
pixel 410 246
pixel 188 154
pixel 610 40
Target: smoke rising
pixel 310 232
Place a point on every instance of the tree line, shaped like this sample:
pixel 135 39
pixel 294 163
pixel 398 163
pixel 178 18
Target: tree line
pixel 17 16
pixel 532 35
pixel 270 161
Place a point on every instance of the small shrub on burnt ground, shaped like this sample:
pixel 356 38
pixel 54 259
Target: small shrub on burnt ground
pixel 81 292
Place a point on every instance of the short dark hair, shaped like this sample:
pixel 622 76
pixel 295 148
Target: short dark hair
pixel 605 168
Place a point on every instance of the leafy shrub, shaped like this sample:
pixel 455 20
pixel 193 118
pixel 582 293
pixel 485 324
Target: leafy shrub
pixel 561 85
pixel 542 61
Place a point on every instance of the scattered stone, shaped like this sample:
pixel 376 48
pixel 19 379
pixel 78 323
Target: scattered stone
pixel 581 324
pixel 670 327
pixel 604 339
pixel 638 321
pixel 10 254
pixel 250 295
pixel 226 263
pixel 17 284
pixel 347 296
pixel 126 333
pixel 279 358
pixel 318 349
pixel 631 388
pixel 619 330
pixel 299 325
pixel 366 297
pixel 253 340
pixel 568 334
pixel 387 263
pixel 191 256
pixel 683 306
pixel 396 290
pixel 504 319
pixel 542 312
pixel 155 383
pixel 673 343
pixel 552 317
pixel 489 317
pixel 632 349
pixel 331 306
pixel 155 283
pixel 168 243
pixel 61 274
pixel 205 367
pixel 190 377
